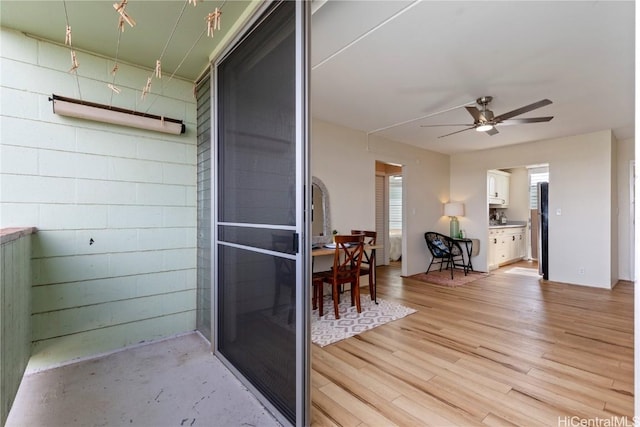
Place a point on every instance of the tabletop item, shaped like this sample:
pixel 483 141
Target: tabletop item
pixel 333 245
pixel 453 210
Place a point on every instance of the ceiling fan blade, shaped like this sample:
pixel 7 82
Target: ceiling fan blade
pixel 525 121
pixel 458 131
pixel 492 131
pixel 451 124
pixel 521 110
pixel 476 114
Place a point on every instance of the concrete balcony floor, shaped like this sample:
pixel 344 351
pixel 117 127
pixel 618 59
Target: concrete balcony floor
pixel 175 382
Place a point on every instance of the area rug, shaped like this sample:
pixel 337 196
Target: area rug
pixel 522 271
pixel 444 277
pixel 327 330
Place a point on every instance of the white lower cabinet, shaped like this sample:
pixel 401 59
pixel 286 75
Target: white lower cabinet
pixel 493 248
pixel 506 245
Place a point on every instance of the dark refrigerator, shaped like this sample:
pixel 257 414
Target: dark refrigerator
pixel 543 229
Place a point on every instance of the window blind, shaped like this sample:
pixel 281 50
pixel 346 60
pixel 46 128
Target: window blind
pixel 380 214
pixel 395 203
pixel 535 176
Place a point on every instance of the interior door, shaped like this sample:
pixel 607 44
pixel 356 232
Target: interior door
pixel 381 219
pixel 261 301
pixel 533 236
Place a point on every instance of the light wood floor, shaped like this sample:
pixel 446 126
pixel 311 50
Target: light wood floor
pixel 503 350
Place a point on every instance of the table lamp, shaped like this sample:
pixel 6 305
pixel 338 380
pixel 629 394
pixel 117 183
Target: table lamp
pixel 454 210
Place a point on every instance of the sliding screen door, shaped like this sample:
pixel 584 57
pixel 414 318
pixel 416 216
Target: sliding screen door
pixel 261 299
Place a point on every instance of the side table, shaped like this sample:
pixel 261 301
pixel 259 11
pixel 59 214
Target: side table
pixel 468 244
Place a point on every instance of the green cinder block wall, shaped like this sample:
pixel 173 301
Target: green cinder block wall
pixel 114 259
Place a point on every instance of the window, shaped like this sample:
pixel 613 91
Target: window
pixel 395 203
pixel 536 175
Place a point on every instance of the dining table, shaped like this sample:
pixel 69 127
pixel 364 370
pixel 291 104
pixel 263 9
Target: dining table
pixel 323 250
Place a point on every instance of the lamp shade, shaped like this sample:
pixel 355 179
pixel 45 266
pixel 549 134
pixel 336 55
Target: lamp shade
pixel 454 209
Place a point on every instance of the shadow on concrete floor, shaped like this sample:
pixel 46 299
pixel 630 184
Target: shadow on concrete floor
pixel 175 382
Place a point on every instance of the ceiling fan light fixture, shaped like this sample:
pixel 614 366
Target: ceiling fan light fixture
pixel 485 121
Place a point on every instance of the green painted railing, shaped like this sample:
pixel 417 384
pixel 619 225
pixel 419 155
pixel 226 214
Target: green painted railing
pixel 15 312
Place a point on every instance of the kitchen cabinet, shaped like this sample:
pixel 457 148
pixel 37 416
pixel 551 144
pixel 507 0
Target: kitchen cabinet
pixel 494 235
pixel 498 187
pixel 515 244
pixel 506 245
pixel 520 247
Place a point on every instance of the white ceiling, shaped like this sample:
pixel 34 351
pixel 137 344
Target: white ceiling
pixel 379 63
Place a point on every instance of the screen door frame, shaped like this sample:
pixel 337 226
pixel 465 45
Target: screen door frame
pixel 302 209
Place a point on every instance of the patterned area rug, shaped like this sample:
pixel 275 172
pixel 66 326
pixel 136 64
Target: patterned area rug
pixel 444 277
pixel 327 330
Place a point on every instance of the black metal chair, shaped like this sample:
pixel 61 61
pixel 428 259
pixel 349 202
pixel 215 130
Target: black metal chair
pixel 444 250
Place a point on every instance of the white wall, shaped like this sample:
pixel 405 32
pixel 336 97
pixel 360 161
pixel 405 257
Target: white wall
pixel 580 171
pixel 345 162
pixel 581 176
pixel 614 208
pixel 626 230
pixel 518 195
pixel 519 200
pixel 133 192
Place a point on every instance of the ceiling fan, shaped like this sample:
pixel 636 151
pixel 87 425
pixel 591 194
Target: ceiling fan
pixel 485 121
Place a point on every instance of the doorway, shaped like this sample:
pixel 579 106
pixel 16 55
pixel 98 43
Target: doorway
pixel 632 217
pixel 390 211
pixel 259 219
pixel 536 174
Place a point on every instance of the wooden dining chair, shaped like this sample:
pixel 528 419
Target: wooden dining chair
pixel 368 266
pixel 347 259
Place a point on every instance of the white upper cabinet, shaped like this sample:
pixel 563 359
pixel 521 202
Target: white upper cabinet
pixel 498 188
